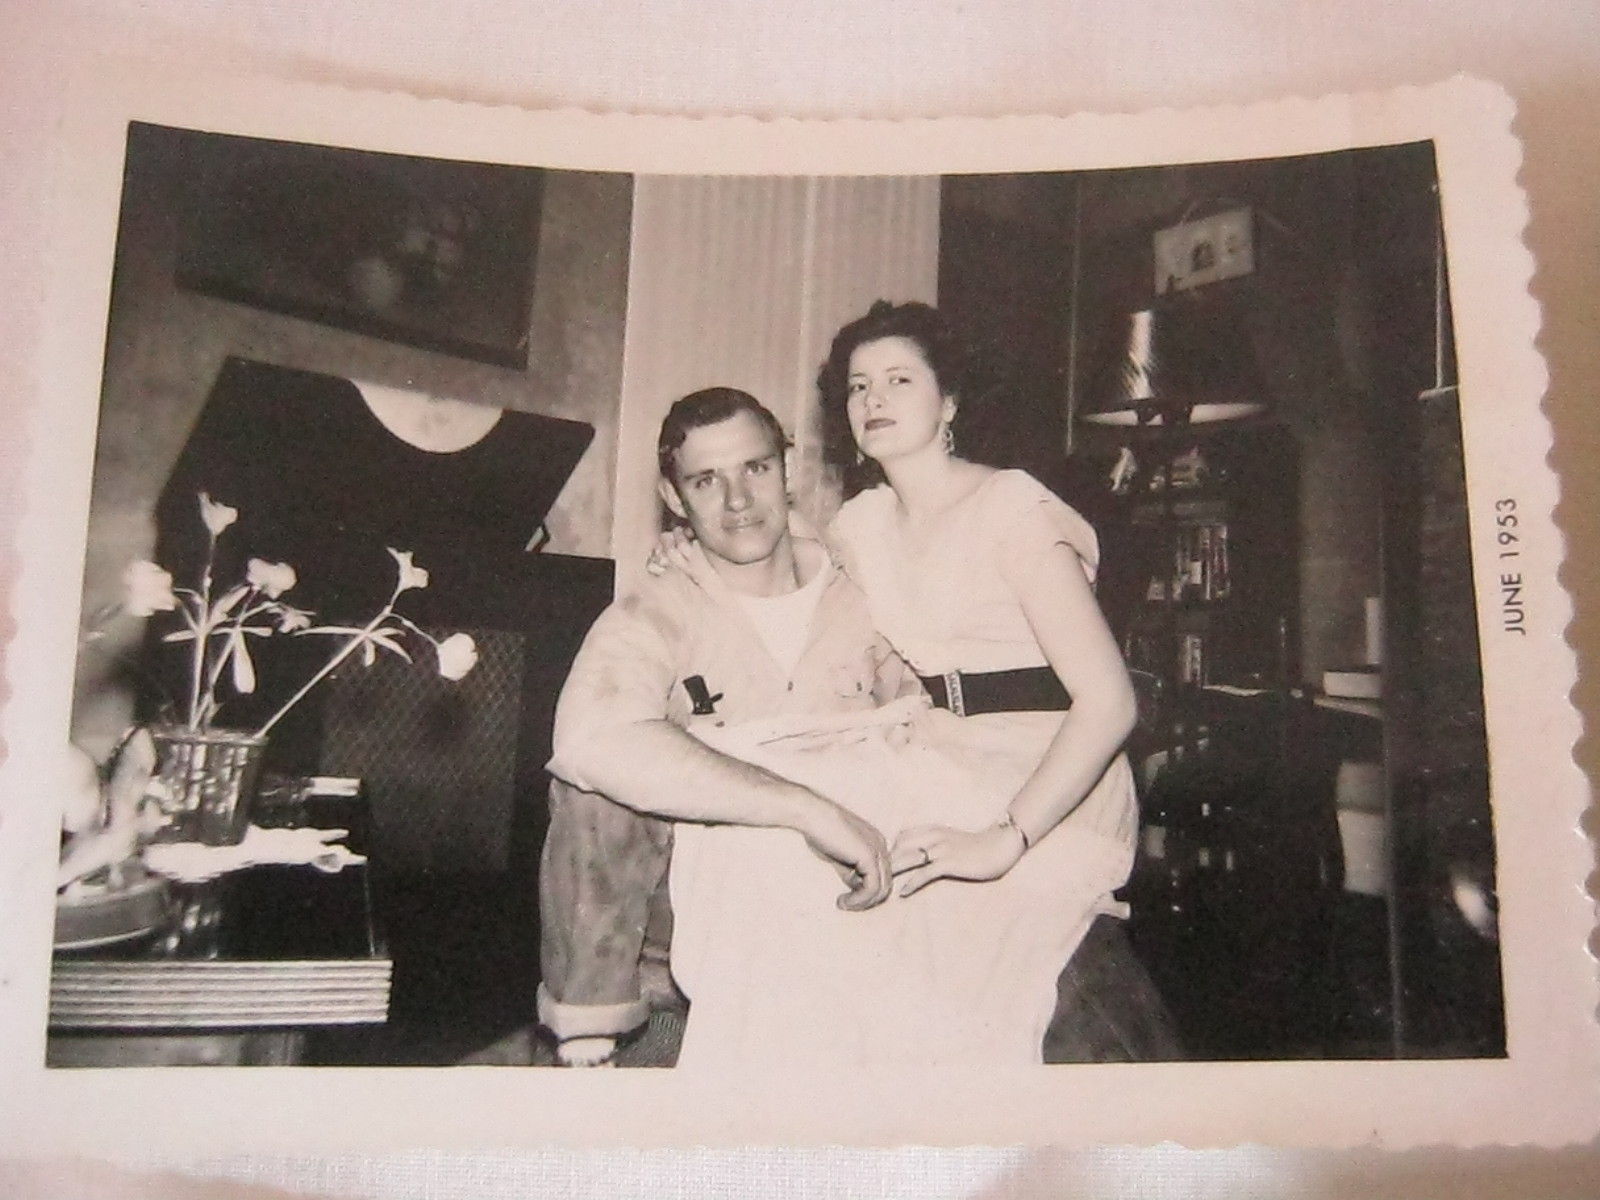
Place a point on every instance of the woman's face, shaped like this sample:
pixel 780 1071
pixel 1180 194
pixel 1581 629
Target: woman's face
pixel 893 400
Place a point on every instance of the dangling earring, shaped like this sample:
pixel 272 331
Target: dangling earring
pixel 947 437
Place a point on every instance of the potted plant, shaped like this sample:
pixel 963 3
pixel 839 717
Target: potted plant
pixel 204 770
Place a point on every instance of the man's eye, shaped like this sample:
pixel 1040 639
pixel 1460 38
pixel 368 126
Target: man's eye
pixel 762 467
pixel 700 483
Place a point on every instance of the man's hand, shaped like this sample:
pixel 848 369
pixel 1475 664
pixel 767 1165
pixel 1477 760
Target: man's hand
pixel 855 848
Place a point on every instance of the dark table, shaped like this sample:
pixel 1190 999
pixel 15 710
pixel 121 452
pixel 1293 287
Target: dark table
pixel 239 969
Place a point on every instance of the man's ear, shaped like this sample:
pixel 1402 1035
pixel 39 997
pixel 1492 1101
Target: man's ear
pixel 788 472
pixel 673 501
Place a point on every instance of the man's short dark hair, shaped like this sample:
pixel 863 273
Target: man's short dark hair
pixel 710 406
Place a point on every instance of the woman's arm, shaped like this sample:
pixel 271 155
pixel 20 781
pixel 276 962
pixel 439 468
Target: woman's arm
pixel 1065 618
pixel 1066 621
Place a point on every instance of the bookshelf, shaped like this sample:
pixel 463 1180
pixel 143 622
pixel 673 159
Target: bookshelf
pixel 1239 863
pixel 1200 583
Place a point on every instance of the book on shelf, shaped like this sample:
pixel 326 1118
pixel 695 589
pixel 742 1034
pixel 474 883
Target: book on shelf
pixel 1220 583
pixel 1186 656
pixel 1199 565
pixel 1192 659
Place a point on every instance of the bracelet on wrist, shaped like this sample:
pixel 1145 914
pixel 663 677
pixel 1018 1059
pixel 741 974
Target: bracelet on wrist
pixel 1010 822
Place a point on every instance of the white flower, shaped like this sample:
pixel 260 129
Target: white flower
pixel 147 589
pixel 411 575
pixel 458 654
pixel 272 578
pixel 291 619
pixel 216 515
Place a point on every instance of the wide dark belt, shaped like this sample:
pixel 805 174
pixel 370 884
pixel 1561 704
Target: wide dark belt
pixel 1026 689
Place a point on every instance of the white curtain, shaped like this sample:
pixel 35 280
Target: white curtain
pixel 742 282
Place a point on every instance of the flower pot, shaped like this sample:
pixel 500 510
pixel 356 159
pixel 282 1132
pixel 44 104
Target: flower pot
pixel 207 778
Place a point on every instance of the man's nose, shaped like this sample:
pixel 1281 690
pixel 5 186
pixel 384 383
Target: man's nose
pixel 738 496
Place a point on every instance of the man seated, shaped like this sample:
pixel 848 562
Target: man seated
pixel 625 765
pixel 668 653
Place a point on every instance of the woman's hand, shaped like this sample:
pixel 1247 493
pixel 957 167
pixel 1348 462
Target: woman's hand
pixel 929 852
pixel 677 550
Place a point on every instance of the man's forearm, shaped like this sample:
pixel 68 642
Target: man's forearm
pixel 655 767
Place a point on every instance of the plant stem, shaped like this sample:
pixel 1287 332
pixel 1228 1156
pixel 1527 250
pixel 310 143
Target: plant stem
pixel 229 646
pixel 417 629
pixel 202 635
pixel 346 652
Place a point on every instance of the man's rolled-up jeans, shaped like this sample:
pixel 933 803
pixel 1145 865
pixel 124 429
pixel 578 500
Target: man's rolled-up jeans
pixel 604 918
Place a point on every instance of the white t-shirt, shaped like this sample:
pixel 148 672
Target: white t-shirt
pixel 784 622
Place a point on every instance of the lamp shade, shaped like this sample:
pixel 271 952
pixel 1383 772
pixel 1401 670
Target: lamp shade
pixel 1176 365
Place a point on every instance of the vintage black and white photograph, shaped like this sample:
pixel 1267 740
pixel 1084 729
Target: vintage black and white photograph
pixel 775 626
pixel 1246 737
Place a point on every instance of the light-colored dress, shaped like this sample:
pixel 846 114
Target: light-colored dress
pixel 944 602
pixel 961 972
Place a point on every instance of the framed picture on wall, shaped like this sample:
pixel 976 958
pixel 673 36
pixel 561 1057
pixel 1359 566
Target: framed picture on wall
pixel 427 252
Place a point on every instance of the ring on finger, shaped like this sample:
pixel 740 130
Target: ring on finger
pixel 927 858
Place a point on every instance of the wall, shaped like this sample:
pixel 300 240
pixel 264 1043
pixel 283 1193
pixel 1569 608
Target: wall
pixel 165 346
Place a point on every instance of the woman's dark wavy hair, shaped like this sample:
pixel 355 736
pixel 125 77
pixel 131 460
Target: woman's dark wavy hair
pixel 951 357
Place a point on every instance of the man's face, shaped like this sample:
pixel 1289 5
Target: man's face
pixel 728 483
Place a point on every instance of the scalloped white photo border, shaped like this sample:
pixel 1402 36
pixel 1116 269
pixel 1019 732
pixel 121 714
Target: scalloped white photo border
pixel 1546 1091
